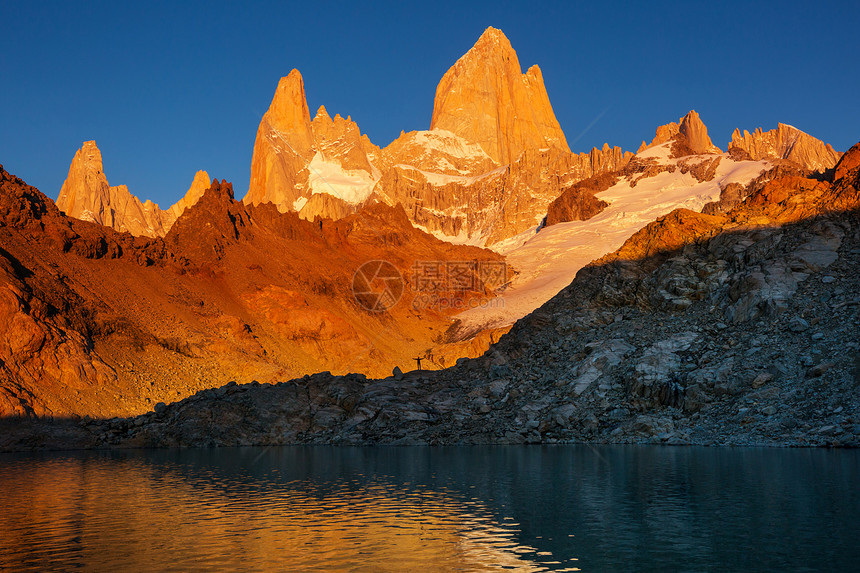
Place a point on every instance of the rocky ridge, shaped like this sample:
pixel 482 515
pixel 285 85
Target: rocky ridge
pixel 688 137
pixel 492 161
pixel 785 142
pixel 296 158
pixel 594 217
pixel 102 323
pixel 199 185
pixel 87 195
pixel 727 329
pixel 489 208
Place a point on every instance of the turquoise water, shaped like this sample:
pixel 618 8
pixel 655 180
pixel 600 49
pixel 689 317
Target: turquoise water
pixel 510 508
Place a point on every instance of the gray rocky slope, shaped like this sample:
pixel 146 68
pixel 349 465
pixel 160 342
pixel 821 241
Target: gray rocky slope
pixel 736 328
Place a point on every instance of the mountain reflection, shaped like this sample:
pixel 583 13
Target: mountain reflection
pixel 251 512
pixel 432 509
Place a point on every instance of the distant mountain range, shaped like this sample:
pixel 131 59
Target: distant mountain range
pixel 114 304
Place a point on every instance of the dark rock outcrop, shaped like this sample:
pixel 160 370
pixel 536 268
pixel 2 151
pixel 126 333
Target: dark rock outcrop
pixel 577 202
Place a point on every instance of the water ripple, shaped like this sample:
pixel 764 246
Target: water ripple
pixel 430 509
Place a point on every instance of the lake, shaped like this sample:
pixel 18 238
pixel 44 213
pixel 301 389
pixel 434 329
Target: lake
pixel 501 508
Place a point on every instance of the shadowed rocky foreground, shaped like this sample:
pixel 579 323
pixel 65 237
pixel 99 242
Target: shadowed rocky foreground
pixel 736 328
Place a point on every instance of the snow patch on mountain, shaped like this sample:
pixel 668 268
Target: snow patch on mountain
pixel 441 179
pixel 548 260
pixel 449 143
pixel 299 203
pixel 476 240
pixel 659 152
pixel 352 186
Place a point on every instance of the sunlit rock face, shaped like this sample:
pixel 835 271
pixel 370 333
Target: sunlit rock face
pixel 295 159
pixel 486 99
pixel 495 156
pixel 786 142
pixel 689 137
pixel 199 186
pixel 486 170
pixel 87 195
pixel 283 146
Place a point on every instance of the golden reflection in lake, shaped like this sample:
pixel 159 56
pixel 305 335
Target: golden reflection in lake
pixel 126 514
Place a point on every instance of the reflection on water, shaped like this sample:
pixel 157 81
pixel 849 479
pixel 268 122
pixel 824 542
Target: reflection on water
pixel 432 509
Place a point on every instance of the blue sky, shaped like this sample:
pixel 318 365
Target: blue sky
pixel 169 88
